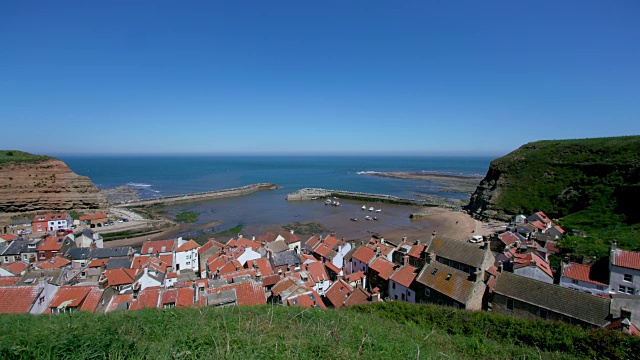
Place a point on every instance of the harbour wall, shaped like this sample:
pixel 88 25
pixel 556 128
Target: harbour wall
pixel 309 193
pixel 207 195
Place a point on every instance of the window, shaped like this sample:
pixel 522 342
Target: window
pixel 631 291
pixel 628 277
pixel 6 259
pixel 622 289
pixel 427 292
pixel 456 305
pixel 510 304
pixel 403 297
pixel 82 264
pixel 393 285
pixel 448 277
pixel 543 313
pixel 600 287
pixel 434 271
pixel 574 281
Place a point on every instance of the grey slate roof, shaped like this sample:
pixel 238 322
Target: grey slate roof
pixel 289 257
pixel 585 307
pixel 110 252
pixel 118 263
pixel 458 250
pixel 15 248
pixel 220 298
pixel 79 253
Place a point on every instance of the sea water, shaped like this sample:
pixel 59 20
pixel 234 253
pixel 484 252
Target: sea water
pixel 172 175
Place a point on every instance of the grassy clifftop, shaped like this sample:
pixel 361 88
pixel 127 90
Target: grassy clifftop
pixel 383 331
pixel 589 184
pixel 15 156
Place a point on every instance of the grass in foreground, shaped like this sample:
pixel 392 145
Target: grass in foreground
pixel 264 332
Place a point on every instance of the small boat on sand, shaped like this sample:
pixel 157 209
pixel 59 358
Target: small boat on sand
pixel 375 218
pixel 371 208
pixel 368 218
pixel 378 210
pixel 314 198
pixel 328 202
pixel 364 207
pixel 354 219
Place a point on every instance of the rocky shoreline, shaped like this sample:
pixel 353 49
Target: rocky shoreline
pixel 452 183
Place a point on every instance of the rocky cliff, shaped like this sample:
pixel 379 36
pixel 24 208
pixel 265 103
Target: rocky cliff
pixel 596 178
pixel 33 183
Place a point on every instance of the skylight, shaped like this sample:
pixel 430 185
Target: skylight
pixel 434 271
pixel 448 277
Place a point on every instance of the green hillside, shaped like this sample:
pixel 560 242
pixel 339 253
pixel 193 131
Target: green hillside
pixel 15 156
pixel 592 185
pixel 382 331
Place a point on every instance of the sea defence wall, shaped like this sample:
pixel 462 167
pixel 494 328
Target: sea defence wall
pixel 207 195
pixel 309 193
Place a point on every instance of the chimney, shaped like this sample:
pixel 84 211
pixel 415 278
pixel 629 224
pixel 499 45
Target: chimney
pixel 432 258
pixel 417 242
pixel 405 260
pixel 381 240
pixel 239 236
pixel 612 254
pixel 500 266
pixel 253 238
pixel 291 231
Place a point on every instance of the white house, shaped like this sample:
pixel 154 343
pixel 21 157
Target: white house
pixel 341 251
pixel 186 256
pixel 248 254
pixel 400 283
pixel 319 276
pixel 624 271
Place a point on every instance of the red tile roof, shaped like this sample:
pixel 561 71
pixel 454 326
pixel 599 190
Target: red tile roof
pixel 69 296
pixel 580 272
pixel 282 286
pixel 98 263
pixel 544 217
pixel 85 218
pixel 383 267
pixel 117 300
pixel 524 260
pixel 560 230
pixel 9 280
pixel 16 268
pixel 326 245
pixel 263 265
pixel 270 280
pixel 289 238
pixel 158 246
pixel 619 326
pixel 51 243
pixel 355 276
pixel 147 298
pixel 311 299
pixel 552 246
pixel 317 271
pixel 8 237
pixel 18 299
pixel 332 267
pixel 538 225
pixel 169 296
pixel 267 238
pixel 364 254
pixel 92 300
pixel 338 293
pixel 205 246
pixel 416 251
pixel 254 245
pixel 120 276
pixel 312 242
pixel 508 238
pixel 55 262
pixel 185 297
pixel 189 245
pixel 247 294
pixel 405 275
pixel 628 259
pixel 357 297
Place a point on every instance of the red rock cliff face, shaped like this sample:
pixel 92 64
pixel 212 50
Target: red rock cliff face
pixel 47 185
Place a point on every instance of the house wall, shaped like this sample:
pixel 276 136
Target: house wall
pixel 322 287
pixel 187 260
pixel 396 291
pixel 375 280
pixel 339 258
pixel 359 266
pixel 583 286
pixel 616 279
pixel 45 297
pixel 534 272
pixel 146 281
pixel 529 311
pixel 295 246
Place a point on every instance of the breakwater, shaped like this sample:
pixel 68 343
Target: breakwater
pixel 207 195
pixel 310 193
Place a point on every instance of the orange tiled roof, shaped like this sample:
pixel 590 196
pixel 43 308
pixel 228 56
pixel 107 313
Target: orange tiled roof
pixel 247 294
pixel 120 276
pixel 254 245
pixel 98 262
pixel 543 216
pixel 317 271
pixel 364 254
pixel 405 275
pixel 416 251
pixel 157 246
pixel 189 245
pixel 270 280
pixel 263 265
pixel 524 260
pixel 355 276
pixel 538 225
pixel 282 286
pixel 117 300
pixel 9 280
pixel 357 297
pixel 71 296
pixel 92 300
pixel 51 243
pixel 329 265
pixel 18 299
pixel 147 298
pixel 185 297
pixel 628 259
pixel 16 267
pixel 311 299
pixel 8 237
pixel 338 293
pixel 580 272
pixel 383 267
pixel 55 262
pixel 508 238
pixel 231 275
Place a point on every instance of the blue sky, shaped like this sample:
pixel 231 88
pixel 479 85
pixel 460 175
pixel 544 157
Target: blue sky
pixel 409 77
